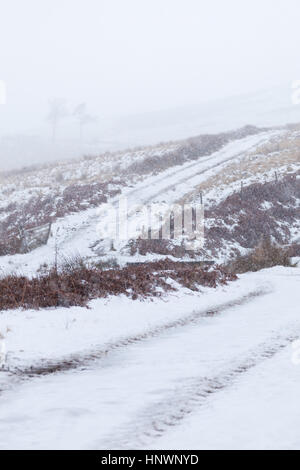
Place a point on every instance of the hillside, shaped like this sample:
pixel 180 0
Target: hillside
pixel 228 169
pixel 159 349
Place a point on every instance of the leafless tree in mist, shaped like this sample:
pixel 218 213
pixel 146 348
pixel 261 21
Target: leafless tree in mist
pixel 58 111
pixel 80 113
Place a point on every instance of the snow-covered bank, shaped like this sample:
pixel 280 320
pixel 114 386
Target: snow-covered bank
pixel 33 336
pixel 138 394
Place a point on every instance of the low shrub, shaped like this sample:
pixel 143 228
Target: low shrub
pixel 265 255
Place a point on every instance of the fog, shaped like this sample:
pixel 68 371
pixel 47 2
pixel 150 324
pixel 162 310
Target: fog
pixel 146 70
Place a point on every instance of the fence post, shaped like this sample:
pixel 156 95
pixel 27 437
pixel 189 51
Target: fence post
pixel 49 231
pixel 23 239
pixel 201 198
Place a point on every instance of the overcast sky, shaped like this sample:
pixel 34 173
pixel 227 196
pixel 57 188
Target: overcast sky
pixel 128 56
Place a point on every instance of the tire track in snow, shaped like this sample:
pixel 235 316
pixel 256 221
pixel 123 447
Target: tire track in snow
pixel 194 165
pixel 88 359
pixel 166 176
pixel 156 420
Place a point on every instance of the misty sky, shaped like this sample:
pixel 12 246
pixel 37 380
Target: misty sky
pixel 129 56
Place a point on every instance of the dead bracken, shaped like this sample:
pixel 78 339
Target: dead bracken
pixel 69 287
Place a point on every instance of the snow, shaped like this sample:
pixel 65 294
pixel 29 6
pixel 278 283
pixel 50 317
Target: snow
pixel 78 232
pixel 216 369
pixel 210 380
pixel 260 412
pixel 36 335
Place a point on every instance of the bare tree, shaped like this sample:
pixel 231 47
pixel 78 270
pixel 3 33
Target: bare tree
pixel 57 112
pixel 83 117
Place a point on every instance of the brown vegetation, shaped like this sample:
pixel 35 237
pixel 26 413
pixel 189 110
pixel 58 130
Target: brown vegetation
pixel 76 284
pixel 189 150
pixel 265 255
pixel 261 210
pixel 39 210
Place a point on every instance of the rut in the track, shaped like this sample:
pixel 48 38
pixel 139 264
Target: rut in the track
pixel 90 359
pixel 154 421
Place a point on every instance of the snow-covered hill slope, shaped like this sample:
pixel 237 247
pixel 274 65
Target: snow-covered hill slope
pixel 174 173
pixel 77 233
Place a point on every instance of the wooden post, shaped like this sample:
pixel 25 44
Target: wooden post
pixel 23 239
pixel 48 234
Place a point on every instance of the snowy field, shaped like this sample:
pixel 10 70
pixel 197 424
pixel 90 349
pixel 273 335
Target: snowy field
pixel 207 370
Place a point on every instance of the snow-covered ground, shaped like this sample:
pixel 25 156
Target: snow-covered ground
pixel 206 370
pixel 209 369
pixel 78 233
pixel 34 336
pixel 259 411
